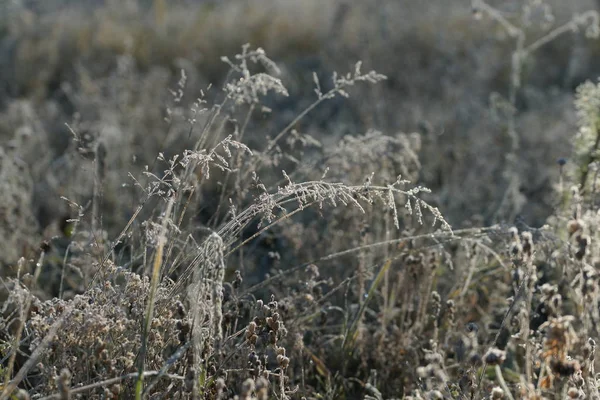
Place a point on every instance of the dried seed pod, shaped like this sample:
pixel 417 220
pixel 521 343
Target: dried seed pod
pixel 494 356
pixel 565 368
pixel 497 393
pixel 574 225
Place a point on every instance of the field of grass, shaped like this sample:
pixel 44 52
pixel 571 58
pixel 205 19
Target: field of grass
pixel 273 199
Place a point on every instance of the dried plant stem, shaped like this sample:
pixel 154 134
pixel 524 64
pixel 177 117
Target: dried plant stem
pixel 361 273
pixel 519 291
pixel 351 335
pixel 541 374
pixel 237 166
pixel 526 320
pixel 503 384
pixel 179 222
pixel 155 279
pixel 111 381
pixel 282 394
pixel 22 319
pixel 119 238
pixel 472 267
pixel 571 26
pixel 163 370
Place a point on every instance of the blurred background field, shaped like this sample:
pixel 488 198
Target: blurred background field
pixel 110 66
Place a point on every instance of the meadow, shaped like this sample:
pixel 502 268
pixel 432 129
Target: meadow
pixel 268 199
